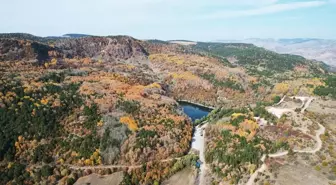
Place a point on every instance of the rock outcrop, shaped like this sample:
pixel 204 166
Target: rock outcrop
pixel 12 49
pixel 103 48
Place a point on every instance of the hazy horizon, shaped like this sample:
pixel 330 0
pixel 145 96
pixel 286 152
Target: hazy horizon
pixel 177 39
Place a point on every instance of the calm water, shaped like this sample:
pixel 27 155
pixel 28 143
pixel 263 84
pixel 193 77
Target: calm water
pixel 194 111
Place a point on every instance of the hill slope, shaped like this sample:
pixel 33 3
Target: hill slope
pixel 112 101
pixel 314 49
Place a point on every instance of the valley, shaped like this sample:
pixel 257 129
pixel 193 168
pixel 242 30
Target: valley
pixel 116 109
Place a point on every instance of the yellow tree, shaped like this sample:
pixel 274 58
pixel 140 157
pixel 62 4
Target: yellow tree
pixel 130 122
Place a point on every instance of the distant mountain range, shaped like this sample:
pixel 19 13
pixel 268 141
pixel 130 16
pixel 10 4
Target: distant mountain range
pixel 41 39
pixel 317 49
pixel 72 35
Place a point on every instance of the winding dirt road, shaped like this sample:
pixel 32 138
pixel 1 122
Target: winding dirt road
pixel 199 144
pixel 317 138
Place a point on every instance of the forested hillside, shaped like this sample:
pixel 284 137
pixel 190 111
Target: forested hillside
pixel 98 101
pixel 258 60
pixel 329 89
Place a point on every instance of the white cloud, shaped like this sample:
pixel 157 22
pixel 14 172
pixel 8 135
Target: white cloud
pixel 207 3
pixel 159 11
pixel 270 9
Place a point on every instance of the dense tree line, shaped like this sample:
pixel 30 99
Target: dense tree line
pixel 276 99
pixel 53 77
pixel 155 172
pixel 329 89
pixel 93 117
pixel 16 172
pixel 235 152
pixel 232 152
pixel 223 83
pixel 27 116
pixel 43 153
pixel 254 57
pixel 261 112
pixel 86 145
pixel 145 138
pixel 129 106
pixel 26 36
pixel 220 113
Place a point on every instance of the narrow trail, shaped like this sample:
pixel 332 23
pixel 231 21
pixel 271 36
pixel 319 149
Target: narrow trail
pixel 115 166
pixel 302 98
pixel 199 144
pixel 307 104
pixel 317 138
pixel 282 99
pixel 102 167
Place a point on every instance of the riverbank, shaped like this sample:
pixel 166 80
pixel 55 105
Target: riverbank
pixel 197 111
pixel 197 104
pixel 194 111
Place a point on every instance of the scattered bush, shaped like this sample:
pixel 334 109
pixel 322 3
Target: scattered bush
pixel 46 171
pixel 276 99
pixel 128 106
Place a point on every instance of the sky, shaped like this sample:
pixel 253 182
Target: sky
pixel 200 20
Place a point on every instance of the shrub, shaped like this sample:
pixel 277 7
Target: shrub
pixel 317 168
pixel 129 106
pixel 276 99
pixel 329 89
pixel 92 116
pixel 224 83
pixel 71 181
pixel 46 171
pixel 53 77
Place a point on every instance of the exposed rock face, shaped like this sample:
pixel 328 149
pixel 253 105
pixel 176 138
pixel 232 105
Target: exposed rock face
pixel 106 48
pixel 11 49
pixel 82 47
pixel 200 73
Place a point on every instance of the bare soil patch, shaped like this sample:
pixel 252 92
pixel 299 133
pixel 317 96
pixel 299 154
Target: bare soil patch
pixel 300 174
pixel 113 179
pixel 186 177
pixel 290 104
pixel 323 106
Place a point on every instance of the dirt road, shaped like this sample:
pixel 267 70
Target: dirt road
pixel 115 166
pixel 199 144
pixel 278 112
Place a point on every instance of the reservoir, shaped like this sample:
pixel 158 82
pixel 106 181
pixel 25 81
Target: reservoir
pixel 194 111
